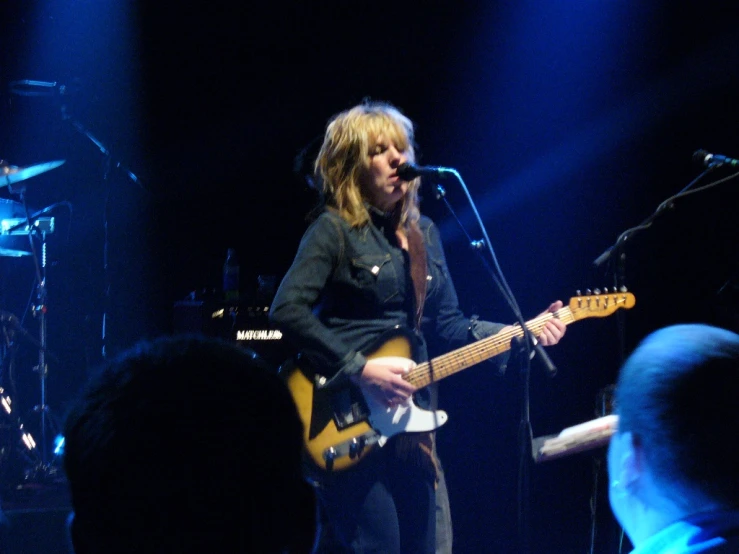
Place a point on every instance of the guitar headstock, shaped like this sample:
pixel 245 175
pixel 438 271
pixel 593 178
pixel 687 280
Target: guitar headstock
pixel 600 304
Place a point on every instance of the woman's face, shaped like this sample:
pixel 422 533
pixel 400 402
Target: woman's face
pixel 380 183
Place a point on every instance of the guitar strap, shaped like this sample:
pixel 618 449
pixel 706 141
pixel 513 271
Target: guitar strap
pixel 419 269
pixel 418 448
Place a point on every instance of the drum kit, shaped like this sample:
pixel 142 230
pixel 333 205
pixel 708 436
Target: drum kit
pixel 23 235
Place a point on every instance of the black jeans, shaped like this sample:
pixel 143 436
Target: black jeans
pixel 381 506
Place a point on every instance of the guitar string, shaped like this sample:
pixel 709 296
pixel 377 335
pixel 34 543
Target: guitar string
pixel 467 356
pixel 421 376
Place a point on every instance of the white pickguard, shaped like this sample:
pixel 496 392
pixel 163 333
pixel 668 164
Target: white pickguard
pixel 404 418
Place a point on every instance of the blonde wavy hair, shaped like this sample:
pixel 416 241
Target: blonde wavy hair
pixel 346 151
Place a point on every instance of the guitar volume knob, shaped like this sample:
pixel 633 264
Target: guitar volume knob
pixel 329 455
pixel 356 447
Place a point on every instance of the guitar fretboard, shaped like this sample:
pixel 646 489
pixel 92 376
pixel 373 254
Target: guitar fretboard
pixel 457 360
pixel 462 358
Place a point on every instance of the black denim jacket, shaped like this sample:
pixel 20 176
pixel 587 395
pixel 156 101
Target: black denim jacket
pixel 347 286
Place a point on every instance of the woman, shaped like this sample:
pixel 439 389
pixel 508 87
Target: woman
pixel 368 263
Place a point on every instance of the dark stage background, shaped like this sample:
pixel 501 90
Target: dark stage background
pixel 570 123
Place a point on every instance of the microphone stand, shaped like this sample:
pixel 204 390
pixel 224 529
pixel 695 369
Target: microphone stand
pixel 615 258
pixel 615 255
pixel 522 349
pixel 110 160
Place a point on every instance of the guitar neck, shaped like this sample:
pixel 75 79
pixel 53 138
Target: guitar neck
pixel 579 307
pixel 467 356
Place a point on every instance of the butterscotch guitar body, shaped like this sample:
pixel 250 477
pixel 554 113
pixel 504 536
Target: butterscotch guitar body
pixel 302 390
pixel 334 448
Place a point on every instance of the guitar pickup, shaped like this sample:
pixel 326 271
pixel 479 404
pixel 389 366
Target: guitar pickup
pixel 348 409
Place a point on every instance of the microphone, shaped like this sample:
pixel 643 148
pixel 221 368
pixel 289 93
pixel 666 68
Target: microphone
pixel 409 171
pixel 708 159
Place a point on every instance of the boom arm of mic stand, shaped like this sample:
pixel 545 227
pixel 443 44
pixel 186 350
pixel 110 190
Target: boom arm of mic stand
pixel 103 149
pixel 664 206
pixel 617 250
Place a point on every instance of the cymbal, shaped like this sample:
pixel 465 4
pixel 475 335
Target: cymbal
pixel 10 174
pixel 9 253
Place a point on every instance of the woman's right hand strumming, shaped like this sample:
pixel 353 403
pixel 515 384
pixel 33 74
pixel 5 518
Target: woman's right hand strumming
pixel 382 379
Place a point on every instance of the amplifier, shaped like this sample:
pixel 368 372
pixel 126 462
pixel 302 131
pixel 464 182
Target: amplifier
pixel 245 325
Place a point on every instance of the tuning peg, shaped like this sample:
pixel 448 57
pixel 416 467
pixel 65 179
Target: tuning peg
pixel 588 292
pixel 605 290
pixel 597 291
pixel 578 292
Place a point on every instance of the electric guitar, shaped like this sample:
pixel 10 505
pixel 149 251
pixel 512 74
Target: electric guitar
pixel 341 427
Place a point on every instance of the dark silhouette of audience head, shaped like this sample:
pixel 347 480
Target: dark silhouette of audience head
pixel 187 444
pixel 676 452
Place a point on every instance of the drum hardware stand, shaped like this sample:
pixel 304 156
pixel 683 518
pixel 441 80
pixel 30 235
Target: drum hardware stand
pixel 11 428
pixel 22 446
pixel 39 309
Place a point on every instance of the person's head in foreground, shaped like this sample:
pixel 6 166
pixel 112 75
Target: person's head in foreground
pixel 674 462
pixel 187 444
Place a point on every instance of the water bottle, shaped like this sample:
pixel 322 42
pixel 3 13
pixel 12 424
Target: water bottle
pixel 231 277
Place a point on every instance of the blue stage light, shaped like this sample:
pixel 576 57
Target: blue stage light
pixel 59 445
